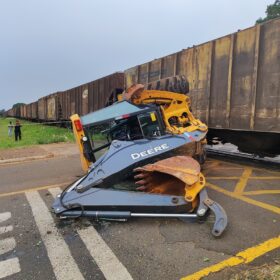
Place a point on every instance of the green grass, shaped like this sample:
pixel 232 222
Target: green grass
pixel 33 134
pixel 266 272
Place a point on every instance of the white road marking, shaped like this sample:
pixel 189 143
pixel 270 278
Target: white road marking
pixel 5 216
pixel 6 245
pixel 6 229
pixel 64 266
pixel 9 267
pixel 106 260
pixel 109 264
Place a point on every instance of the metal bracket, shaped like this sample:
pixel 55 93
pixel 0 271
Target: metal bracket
pixel 220 214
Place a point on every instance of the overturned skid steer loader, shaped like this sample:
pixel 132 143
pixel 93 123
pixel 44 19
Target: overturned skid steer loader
pixel 148 167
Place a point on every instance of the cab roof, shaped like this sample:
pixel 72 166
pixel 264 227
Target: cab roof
pixel 116 111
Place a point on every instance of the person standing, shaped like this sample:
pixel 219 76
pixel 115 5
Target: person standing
pixel 10 129
pixel 17 130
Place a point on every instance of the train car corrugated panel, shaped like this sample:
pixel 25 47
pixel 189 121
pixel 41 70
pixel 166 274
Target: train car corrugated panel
pixel 28 111
pixel 66 105
pixel 218 101
pixel 34 110
pixel 95 95
pixel 78 100
pixel 267 110
pixel 187 66
pixel 17 112
pixel 242 79
pixel 21 111
pixel 60 105
pixel 42 109
pixel 155 70
pixel 91 97
pixel 24 111
pixel 69 102
pixel 85 109
pixel 143 73
pixel 80 97
pixel 200 69
pixel 101 93
pixel 63 105
pixel 51 102
pixel 131 76
pixel 107 90
pixel 72 102
pixel 168 66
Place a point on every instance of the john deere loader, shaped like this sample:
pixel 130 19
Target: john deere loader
pixel 147 163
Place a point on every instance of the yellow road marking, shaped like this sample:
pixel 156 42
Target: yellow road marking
pixel 222 178
pixel 236 177
pixel 262 192
pixel 240 186
pixel 245 256
pixel 228 167
pixel 244 198
pixel 34 189
pixel 265 178
pixel 240 166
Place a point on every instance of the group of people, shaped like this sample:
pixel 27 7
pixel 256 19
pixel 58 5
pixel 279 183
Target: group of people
pixel 16 128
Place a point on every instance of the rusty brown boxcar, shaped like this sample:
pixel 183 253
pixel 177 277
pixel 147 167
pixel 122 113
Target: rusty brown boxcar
pixel 234 80
pixel 87 97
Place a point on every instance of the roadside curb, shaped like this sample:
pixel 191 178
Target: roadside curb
pixel 24 159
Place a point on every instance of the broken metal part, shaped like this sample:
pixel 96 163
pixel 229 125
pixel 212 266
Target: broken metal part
pixel 218 211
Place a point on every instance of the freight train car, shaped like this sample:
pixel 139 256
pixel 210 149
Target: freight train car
pixel 88 97
pixel 79 100
pixel 234 84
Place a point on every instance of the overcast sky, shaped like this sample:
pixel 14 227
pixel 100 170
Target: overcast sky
pixel 53 45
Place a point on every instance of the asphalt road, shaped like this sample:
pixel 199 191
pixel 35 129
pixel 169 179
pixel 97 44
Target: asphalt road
pixel 36 245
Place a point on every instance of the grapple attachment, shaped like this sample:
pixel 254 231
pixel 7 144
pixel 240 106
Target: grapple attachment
pixel 179 175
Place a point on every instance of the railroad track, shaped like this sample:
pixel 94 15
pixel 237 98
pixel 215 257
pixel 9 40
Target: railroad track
pixel 243 157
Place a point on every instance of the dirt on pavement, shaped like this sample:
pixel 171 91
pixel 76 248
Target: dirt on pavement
pixel 31 152
pixel 22 152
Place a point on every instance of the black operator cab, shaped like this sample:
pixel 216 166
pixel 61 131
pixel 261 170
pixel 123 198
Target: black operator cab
pixel 121 121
